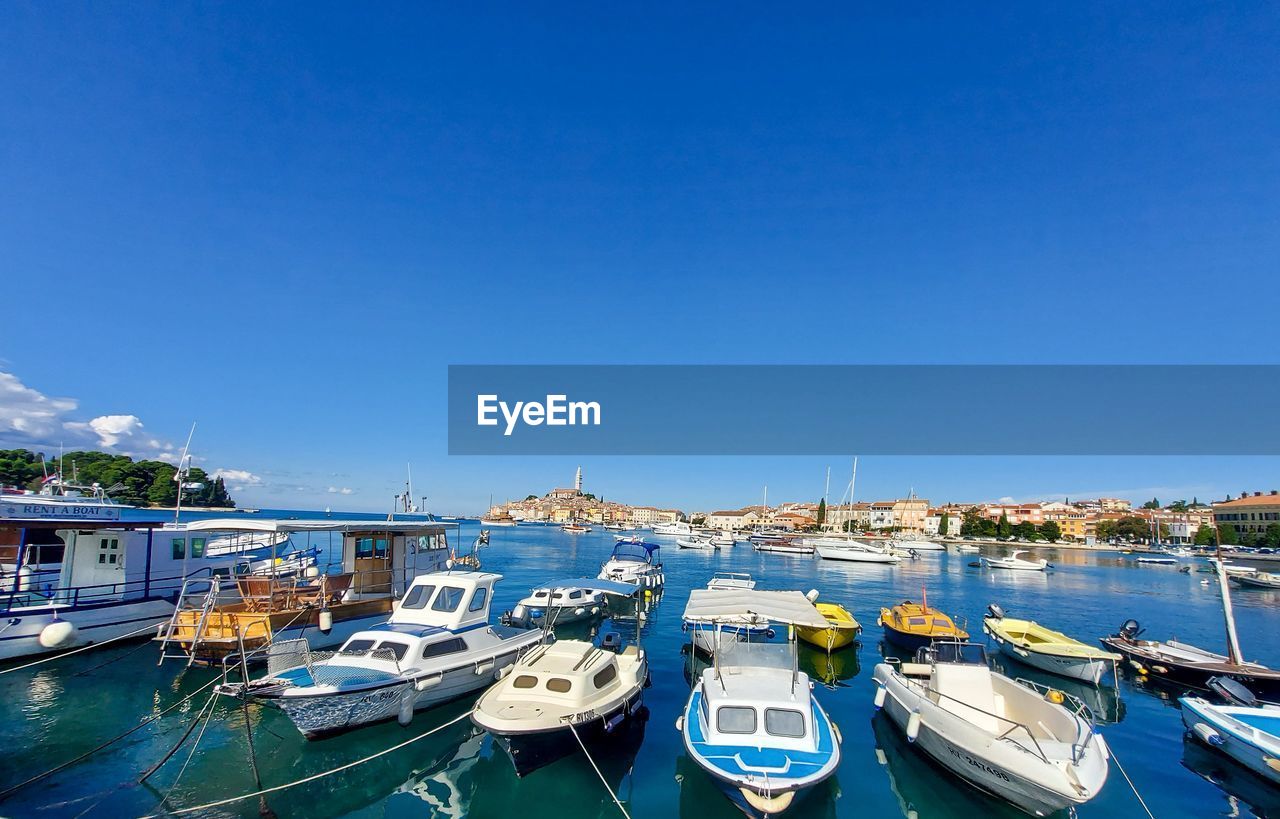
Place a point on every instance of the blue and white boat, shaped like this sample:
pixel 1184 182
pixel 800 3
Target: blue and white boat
pixel 635 562
pixel 1244 729
pixel 752 721
pixel 438 645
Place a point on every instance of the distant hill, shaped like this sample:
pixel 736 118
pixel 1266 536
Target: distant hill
pixel 138 483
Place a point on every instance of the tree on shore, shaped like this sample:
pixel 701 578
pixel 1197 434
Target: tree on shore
pixel 1154 503
pixel 822 511
pixel 1004 528
pixel 1026 530
pixel 1228 534
pixel 137 483
pixel 1050 530
pixel 1204 535
pixel 1272 535
pixel 944 525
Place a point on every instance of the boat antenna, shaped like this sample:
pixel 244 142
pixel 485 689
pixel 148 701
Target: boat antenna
pixel 1233 641
pixel 179 476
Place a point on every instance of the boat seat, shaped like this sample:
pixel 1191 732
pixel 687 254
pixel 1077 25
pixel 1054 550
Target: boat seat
pixel 968 694
pixel 917 669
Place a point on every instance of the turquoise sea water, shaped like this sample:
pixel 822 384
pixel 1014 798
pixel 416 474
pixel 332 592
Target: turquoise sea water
pixel 61 709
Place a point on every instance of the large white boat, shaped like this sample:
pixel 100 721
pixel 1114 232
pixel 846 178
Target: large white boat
pixel 854 551
pixel 634 562
pixel 565 695
pixel 1007 738
pixel 752 722
pixel 677 528
pixel 438 645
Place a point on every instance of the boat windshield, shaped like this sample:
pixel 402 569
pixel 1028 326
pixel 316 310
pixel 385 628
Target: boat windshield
pixel 638 552
pixel 968 653
pixel 755 654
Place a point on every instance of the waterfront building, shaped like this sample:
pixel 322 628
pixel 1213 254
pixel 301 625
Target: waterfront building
pixel 1248 514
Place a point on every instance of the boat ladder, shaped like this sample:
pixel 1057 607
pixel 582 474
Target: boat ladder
pixel 207 606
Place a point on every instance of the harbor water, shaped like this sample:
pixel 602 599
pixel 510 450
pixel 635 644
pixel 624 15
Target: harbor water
pixel 62 709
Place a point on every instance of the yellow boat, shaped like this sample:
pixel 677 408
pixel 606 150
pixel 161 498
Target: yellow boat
pixel 844 629
pixel 915 625
pixel 1039 647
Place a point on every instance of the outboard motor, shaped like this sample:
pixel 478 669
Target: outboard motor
pixel 995 611
pixel 611 641
pixel 1131 629
pixel 1233 691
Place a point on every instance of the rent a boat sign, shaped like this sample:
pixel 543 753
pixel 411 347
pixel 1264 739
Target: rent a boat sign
pixel 13 509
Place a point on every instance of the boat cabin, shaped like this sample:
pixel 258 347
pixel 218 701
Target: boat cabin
pixel 757 707
pixel 570 674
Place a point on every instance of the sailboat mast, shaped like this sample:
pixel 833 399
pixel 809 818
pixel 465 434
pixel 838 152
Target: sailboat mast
pixel 1233 640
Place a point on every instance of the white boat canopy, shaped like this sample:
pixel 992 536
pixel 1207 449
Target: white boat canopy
pixel 268 525
pixel 593 584
pixel 735 605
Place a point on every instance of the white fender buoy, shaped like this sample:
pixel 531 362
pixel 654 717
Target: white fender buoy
pixel 406 707
pixel 57 634
pixel 680 723
pixel 913 726
pixel 326 621
pixel 311 571
pixel 880 695
pixel 835 729
pixel 1207 735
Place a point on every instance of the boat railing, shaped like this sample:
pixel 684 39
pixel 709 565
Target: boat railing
pixel 122 591
pixel 1074 704
pixel 1014 725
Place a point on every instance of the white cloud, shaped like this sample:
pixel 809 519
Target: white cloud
pixel 28 414
pixel 1006 499
pixel 333 490
pixel 240 477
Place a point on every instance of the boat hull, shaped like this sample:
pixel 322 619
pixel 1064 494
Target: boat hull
pixel 856 555
pixel 1235 743
pixel 94 624
pixel 1264 683
pixel 529 751
pixel 1084 669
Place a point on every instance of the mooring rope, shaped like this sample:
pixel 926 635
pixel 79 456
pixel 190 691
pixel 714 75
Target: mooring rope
pixel 7 792
pixel 78 650
pixel 1130 781
pixel 313 777
pixel 603 781
pixel 190 755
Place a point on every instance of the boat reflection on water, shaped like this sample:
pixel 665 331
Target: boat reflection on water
pixel 1237 783
pixel 830 669
pixel 927 791
pixel 700 798
pixel 1103 700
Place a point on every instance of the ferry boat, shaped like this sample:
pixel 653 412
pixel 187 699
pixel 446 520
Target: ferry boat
pixel 634 562
pixel 376 561
pixel 436 646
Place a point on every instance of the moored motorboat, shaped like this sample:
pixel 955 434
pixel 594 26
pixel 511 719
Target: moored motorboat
pixel 842 628
pixel 575 528
pixel 705 637
pixel 790 546
pixel 1258 580
pixel 556 603
pixel 857 554
pixel 696 543
pixel 910 544
pixel 566 695
pixel 1029 642
pixel 731 580
pixel 1156 561
pixel 1015 563
pixel 634 562
pixel 1011 739
pixel 438 645
pixel 752 722
pixel 722 540
pixel 915 625
pixel 1244 729
pixel 678 528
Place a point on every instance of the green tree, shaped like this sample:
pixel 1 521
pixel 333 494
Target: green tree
pixel 698 520
pixel 1204 536
pixel 1272 535
pixel 822 511
pixel 988 528
pixel 971 522
pixel 1026 530
pixel 1106 529
pixel 1004 528
pixel 1178 506
pixel 944 525
pixel 1050 530
pixel 1133 528
pixel 1154 503
pixel 1228 534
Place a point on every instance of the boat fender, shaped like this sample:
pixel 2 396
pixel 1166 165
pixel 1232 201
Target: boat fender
pixel 614 722
pixel 311 571
pixel 1021 652
pixel 913 726
pixel 595 610
pixel 406 707
pixel 483 668
pixel 578 612
pixel 1138 667
pixel 1272 763
pixel 835 729
pixel 1159 669
pixel 427 682
pixel 503 672
pixel 1055 696
pixel 768 805
pixel 326 621
pixel 1207 735
pixel 680 723
pixel 881 692
pixel 56 634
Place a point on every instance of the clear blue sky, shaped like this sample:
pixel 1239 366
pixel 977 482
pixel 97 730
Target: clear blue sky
pixel 285 221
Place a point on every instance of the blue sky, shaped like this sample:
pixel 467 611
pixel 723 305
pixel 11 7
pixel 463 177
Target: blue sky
pixel 286 223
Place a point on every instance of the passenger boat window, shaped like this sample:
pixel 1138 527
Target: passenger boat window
pixel 197 547
pixel 443 647
pixel 418 597
pixel 109 551
pixel 398 649
pixel 783 722
pixel 179 548
pixel 735 719
pixel 917 621
pixel 356 647
pixel 478 599
pixel 576 594
pixel 559 685
pixel 371 547
pixel 524 681
pixel 606 676
pixel 449 598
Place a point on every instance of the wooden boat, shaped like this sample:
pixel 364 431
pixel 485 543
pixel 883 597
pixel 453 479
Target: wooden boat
pixel 842 631
pixel 916 625
pixel 1039 647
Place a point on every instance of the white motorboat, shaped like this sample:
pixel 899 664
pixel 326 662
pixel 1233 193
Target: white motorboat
pixel 696 543
pixel 963 548
pixel 722 540
pixel 1157 561
pixel 731 580
pixel 634 561
pixel 677 528
pixel 1257 580
pixel 575 528
pixel 1244 729
pixel 704 638
pixel 564 694
pixel 557 603
pixel 788 546
pixel 1016 563
pixel 752 722
pixel 857 554
pixel 1011 739
pixel 438 645
pixel 909 544
pixel 614 527
pixel 1236 570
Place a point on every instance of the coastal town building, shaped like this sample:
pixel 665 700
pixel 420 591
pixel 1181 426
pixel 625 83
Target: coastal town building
pixel 1249 514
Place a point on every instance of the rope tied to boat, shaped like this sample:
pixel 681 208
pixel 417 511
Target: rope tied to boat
pixel 596 768
pixel 134 633
pixel 1132 787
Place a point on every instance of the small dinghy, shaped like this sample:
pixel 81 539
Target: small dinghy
pixel 566 695
pixel 1157 561
pixel 437 646
pixel 1016 563
pixel 1244 729
pixel 696 543
pixel 731 580
pixel 1015 740
pixel 558 603
pixel 842 628
pixel 915 625
pixel 752 722
pixel 1029 642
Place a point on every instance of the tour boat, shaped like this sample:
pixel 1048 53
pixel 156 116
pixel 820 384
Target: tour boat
pixel 378 560
pixel 1016 563
pixel 752 722
pixel 566 695
pixel 1033 746
pixel 634 562
pixel 1244 729
pixel 916 625
pixel 575 528
pixel 1029 642
pixel 557 603
pixel 842 628
pixel 857 554
pixel 437 646
pixel 696 543
pixel 677 528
